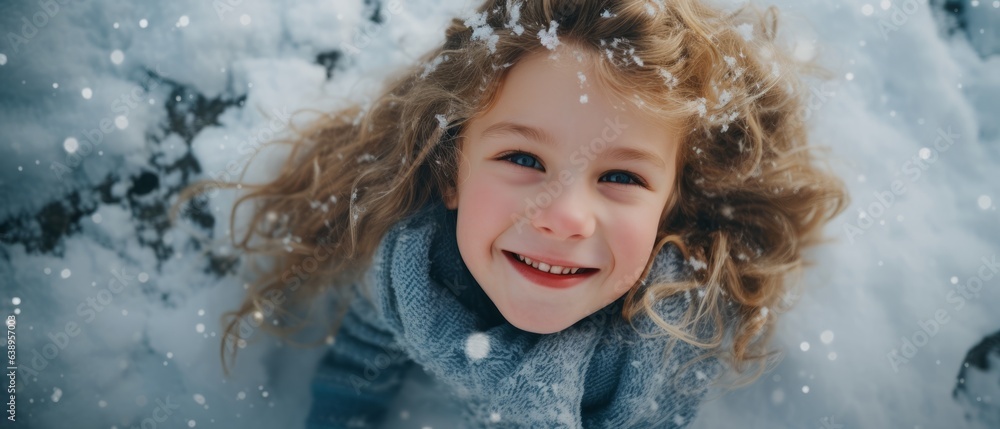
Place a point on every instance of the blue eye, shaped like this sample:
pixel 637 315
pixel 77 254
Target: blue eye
pixel 526 160
pixel 529 161
pixel 625 176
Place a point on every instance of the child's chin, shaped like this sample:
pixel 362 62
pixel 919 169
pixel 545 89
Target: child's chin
pixel 538 326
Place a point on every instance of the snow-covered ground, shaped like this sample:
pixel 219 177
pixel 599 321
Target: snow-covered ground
pixel 107 108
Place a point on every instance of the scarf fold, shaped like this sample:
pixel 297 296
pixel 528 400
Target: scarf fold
pixel 599 372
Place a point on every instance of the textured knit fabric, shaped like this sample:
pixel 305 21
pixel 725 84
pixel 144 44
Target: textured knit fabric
pixel 419 305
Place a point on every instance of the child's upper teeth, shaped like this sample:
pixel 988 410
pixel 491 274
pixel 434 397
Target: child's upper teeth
pixel 541 266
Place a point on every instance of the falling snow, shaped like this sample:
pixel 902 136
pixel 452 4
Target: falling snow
pixel 79 95
pixel 477 346
pixel 117 56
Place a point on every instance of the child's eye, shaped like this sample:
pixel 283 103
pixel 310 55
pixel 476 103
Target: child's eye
pixel 626 177
pixel 529 161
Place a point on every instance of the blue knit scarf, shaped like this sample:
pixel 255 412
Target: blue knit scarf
pixel 599 372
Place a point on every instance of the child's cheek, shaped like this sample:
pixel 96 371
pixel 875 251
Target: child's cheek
pixel 632 243
pixel 494 197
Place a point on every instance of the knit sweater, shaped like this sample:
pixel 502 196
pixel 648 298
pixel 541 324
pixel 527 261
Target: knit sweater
pixel 419 305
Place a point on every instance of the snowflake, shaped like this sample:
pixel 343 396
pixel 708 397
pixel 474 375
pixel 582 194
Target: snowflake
pixel 515 15
pixel 668 78
pixel 696 264
pixel 548 37
pixel 442 121
pixel 482 31
pixel 477 346
pixel 724 98
pixel 430 67
pixel 745 30
pixel 700 105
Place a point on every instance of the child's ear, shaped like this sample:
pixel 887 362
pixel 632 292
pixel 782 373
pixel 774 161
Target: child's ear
pixel 450 199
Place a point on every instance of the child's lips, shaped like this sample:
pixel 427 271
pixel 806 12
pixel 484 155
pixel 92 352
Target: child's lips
pixel 546 279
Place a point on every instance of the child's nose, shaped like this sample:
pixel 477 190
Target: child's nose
pixel 569 215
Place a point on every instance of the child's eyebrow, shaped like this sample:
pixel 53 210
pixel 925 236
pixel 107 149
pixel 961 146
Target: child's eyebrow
pixel 530 133
pixel 617 153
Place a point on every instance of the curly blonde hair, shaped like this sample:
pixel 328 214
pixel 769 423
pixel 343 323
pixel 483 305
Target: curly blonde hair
pixel 747 202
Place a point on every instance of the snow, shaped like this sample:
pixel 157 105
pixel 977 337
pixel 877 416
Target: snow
pixel 87 101
pixel 515 17
pixel 548 36
pixel 697 264
pixel 482 31
pixel 668 78
pixel 477 346
pixel 745 30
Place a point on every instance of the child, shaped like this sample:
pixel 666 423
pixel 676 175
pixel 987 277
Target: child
pixel 537 213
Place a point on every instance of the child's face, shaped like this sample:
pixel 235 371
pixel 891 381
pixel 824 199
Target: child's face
pixel 570 199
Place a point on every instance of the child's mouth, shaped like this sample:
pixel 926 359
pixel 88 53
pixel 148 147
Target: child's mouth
pixel 534 272
pixel 545 268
